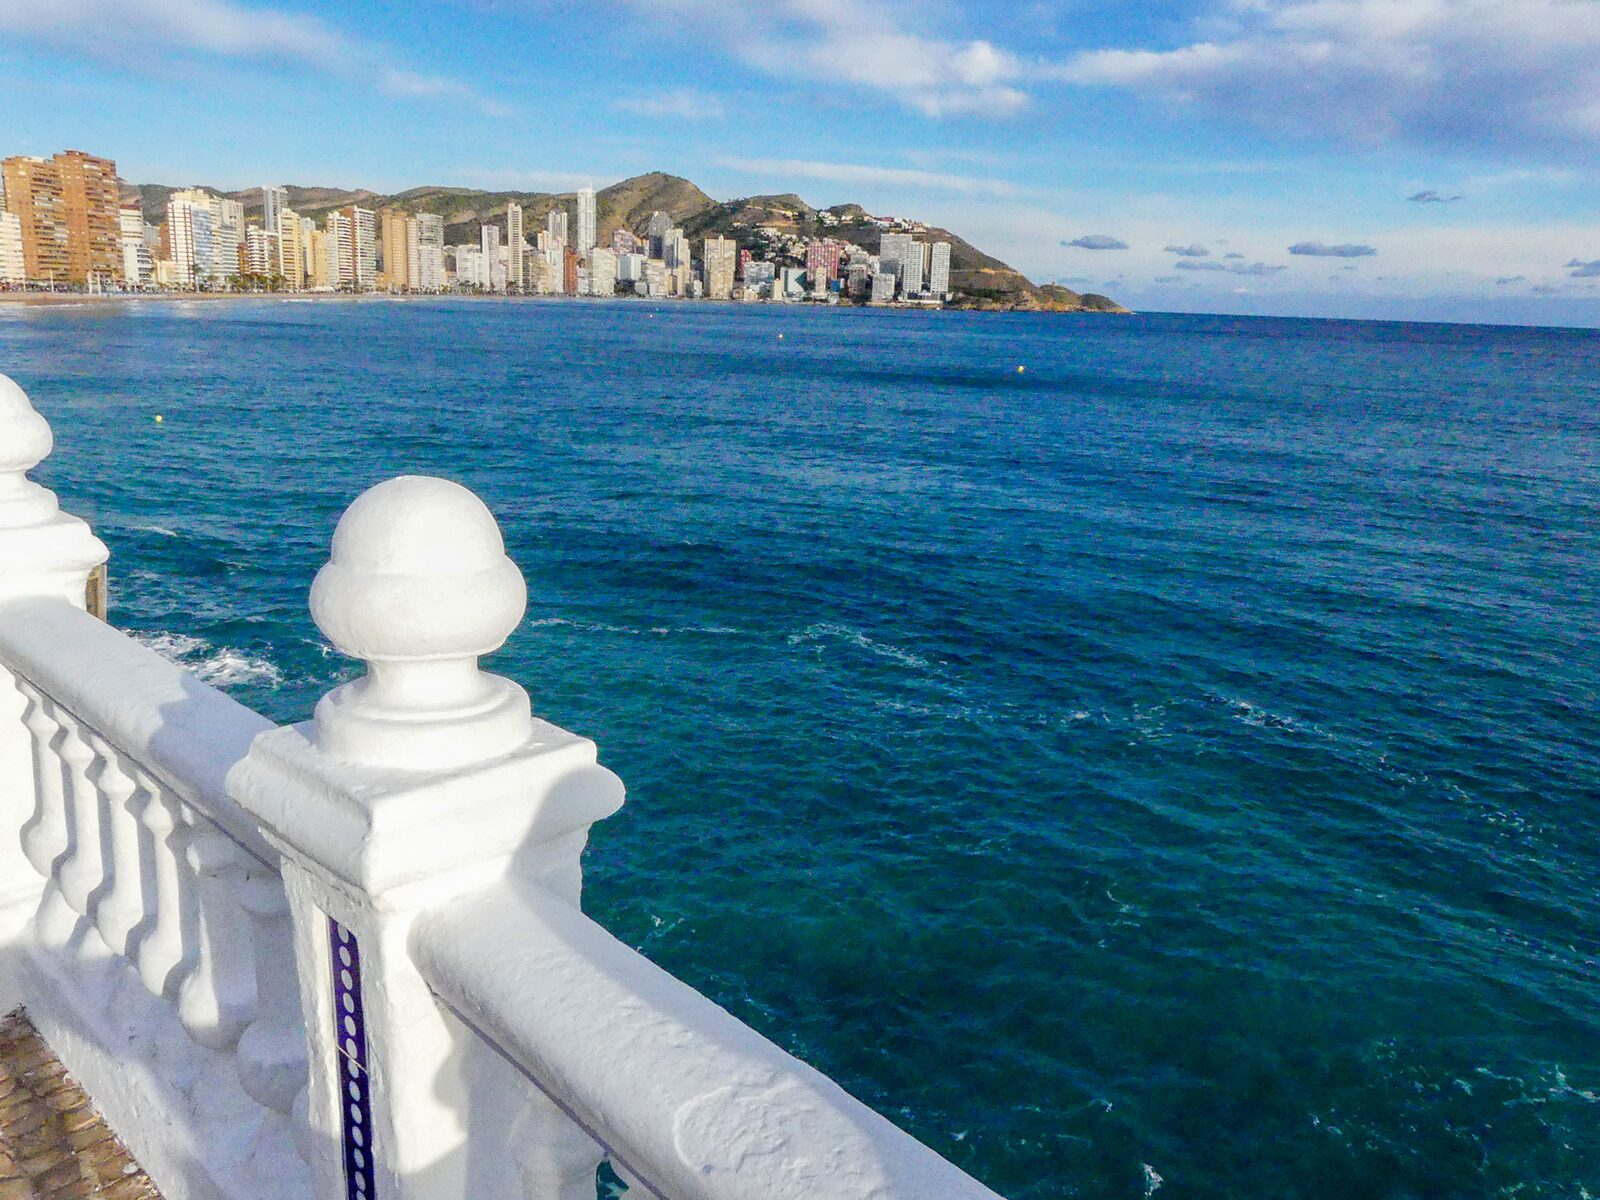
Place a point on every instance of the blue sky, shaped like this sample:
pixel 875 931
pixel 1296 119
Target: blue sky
pixel 1432 159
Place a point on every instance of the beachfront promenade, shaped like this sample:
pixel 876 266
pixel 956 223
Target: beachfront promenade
pixel 346 958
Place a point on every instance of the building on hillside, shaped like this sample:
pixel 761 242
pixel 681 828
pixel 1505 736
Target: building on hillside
pixel 137 265
pixel 586 220
pixel 602 271
pixel 93 208
pixel 939 270
pixel 625 241
pixel 34 196
pixel 13 269
pixel 720 256
pixel 894 251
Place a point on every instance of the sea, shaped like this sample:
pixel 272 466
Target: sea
pixel 1137 755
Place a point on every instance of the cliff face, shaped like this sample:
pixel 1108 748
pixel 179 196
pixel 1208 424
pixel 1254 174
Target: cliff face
pixel 769 224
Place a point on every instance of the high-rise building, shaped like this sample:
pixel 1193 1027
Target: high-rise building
pixel 569 270
pixel 720 256
pixel 395 230
pixel 883 285
pixel 273 201
pixel 363 275
pixel 939 270
pixel 657 231
pixel 34 196
pixel 602 271
pixel 489 244
pixel 13 270
pixel 94 216
pixel 893 252
pixel 822 263
pixel 227 225
pixel 556 225
pixel 586 221
pixel 911 274
pixel 429 268
pixel 515 245
pixel 623 241
pixel 340 230
pixel 136 262
pixel 675 249
pixel 323 260
pixel 289 240
pixel 630 267
pixel 190 233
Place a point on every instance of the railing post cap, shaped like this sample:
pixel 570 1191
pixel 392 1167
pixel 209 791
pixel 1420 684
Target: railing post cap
pixel 418 584
pixel 25 438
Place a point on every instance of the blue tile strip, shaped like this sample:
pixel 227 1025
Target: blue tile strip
pixel 350 1035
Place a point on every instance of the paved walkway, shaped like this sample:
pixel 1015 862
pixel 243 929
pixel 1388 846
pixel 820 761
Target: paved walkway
pixel 53 1144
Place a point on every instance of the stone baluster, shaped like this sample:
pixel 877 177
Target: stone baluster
pixel 43 553
pixel 416 784
pixel 272 1052
pixel 44 836
pixel 157 947
pixel 80 869
pixel 218 998
pixel 118 903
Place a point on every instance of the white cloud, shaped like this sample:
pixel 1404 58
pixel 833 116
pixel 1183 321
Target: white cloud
pixel 1459 75
pixel 120 30
pixel 867 43
pixel 790 168
pixel 684 104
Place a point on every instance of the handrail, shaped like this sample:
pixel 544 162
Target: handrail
pixel 185 732
pixel 689 1099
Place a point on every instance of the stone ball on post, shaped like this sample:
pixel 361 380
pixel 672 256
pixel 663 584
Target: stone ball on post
pixel 25 439
pixel 418 585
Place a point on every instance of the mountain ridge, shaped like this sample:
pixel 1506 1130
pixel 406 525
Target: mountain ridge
pixel 772 224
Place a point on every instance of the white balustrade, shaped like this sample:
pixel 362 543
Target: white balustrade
pixel 346 957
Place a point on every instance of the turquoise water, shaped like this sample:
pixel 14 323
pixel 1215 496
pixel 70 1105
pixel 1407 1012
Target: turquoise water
pixel 1172 768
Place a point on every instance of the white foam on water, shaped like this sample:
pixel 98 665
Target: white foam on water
pixel 219 666
pixel 1152 1181
pixel 827 631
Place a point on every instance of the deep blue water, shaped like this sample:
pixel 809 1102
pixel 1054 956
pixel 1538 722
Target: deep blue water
pixel 1175 762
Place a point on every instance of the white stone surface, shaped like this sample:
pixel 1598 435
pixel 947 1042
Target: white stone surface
pixel 419 586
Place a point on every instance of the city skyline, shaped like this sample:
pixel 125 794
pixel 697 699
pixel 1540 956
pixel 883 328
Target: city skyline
pixel 1430 160
pixel 66 222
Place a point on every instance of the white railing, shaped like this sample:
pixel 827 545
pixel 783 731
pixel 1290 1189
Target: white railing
pixel 345 958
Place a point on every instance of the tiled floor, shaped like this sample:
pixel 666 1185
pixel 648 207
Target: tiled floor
pixel 53 1144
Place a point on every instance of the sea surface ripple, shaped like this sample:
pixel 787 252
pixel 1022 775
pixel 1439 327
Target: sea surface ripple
pixel 1170 767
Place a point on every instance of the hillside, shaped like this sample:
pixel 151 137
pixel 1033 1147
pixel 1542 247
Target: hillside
pixel 772 225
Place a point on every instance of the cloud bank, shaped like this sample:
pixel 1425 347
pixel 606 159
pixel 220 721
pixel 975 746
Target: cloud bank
pixel 1515 76
pixel 1097 241
pixel 1196 250
pixel 1320 250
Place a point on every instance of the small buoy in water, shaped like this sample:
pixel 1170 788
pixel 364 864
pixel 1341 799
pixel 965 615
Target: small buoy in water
pixel 780 337
pixel 159 418
pixel 1020 370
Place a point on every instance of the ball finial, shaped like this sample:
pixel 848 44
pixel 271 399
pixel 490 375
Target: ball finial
pixel 25 442
pixel 419 585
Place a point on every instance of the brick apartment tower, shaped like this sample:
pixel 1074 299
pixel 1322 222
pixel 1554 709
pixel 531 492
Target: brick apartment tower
pixel 94 216
pixel 71 215
pixel 34 196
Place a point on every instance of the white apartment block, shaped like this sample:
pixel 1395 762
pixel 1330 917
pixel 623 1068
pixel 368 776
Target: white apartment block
pixel 12 269
pixel 939 270
pixel 602 272
pixel 586 220
pixel 721 258
pixel 515 245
